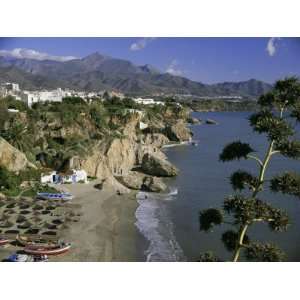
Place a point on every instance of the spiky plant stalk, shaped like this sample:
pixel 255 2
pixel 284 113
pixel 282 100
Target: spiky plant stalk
pixel 272 121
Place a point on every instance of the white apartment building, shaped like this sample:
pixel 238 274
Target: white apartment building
pixel 52 96
pixel 10 89
pixel 148 101
pixel 42 96
pixel 10 86
pixel 29 98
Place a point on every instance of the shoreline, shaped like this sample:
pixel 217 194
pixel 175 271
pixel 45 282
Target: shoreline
pixel 106 231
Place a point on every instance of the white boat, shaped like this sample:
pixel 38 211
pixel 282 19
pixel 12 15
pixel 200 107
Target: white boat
pixel 55 196
pixel 16 257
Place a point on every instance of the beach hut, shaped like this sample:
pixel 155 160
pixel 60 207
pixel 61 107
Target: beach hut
pixel 49 177
pixel 71 176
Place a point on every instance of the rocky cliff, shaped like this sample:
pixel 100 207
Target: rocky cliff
pixel 135 160
pixel 105 139
pixel 12 159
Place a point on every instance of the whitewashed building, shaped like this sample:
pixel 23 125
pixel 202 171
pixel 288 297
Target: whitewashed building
pixel 10 86
pixel 29 98
pixel 145 101
pixel 43 96
pixel 72 176
pixel 148 101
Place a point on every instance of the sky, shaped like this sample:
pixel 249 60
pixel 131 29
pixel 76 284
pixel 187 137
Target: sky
pixel 208 60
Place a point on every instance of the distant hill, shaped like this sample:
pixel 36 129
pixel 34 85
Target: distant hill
pixel 97 72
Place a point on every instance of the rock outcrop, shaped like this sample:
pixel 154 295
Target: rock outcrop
pixel 116 158
pixel 211 122
pixel 193 121
pixel 154 184
pixel 139 181
pixel 13 159
pixel 154 165
pixel 178 132
pixel 155 139
pixel 115 161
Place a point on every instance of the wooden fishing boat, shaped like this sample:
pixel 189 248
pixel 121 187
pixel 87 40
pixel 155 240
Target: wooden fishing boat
pixel 47 250
pixel 34 240
pixel 54 196
pixel 15 257
pixel 18 257
pixel 4 241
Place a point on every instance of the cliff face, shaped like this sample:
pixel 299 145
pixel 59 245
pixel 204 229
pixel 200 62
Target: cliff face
pixel 116 160
pixel 178 132
pixel 11 158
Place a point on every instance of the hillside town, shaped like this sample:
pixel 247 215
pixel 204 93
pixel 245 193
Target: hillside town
pixel 57 95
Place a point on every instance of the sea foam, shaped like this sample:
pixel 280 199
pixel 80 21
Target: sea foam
pixel 154 222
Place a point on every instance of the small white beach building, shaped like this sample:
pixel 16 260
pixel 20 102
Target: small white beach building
pixel 72 176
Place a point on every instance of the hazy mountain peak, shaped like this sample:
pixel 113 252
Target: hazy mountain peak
pixel 97 72
pixel 96 56
pixel 149 69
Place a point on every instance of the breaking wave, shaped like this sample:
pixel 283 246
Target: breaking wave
pixel 154 222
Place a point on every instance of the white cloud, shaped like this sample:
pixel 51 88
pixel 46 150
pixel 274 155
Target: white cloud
pixel 33 54
pixel 272 45
pixel 173 68
pixel 141 43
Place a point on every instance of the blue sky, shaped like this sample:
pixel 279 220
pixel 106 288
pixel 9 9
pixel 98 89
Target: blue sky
pixel 208 60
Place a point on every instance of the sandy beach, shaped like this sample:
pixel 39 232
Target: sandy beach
pixel 106 230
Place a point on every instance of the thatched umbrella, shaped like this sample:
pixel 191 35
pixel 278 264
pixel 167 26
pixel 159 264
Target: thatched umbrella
pixel 38 207
pixel 58 221
pixel 12 231
pixel 25 212
pixel 9 211
pixel 49 233
pixel 24 206
pixel 50 207
pixel 25 225
pixel 21 219
pixel 36 219
pixel 6 224
pixel 26 200
pixel 11 205
pixel 5 217
pixel 49 226
pixel 32 231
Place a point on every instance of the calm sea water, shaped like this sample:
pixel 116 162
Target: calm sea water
pixel 170 222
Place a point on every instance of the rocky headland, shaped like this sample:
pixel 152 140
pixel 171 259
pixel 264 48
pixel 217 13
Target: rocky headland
pixel 124 153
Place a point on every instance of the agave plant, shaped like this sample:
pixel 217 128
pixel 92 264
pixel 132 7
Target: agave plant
pixel 278 115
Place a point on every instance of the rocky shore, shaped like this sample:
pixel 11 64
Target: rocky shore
pixel 135 161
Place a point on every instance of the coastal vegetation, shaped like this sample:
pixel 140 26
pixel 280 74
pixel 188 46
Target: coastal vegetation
pixel 223 105
pixel 277 118
pixel 64 135
pixel 25 183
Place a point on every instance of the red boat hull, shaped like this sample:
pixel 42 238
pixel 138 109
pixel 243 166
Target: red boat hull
pixel 45 251
pixel 4 242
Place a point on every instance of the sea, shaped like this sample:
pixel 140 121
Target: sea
pixel 170 221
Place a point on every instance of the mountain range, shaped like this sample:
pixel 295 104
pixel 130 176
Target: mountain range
pixel 99 72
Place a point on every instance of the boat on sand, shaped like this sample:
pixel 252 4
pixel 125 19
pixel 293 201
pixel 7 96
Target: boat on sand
pixel 54 196
pixel 26 240
pixel 47 250
pixel 4 241
pixel 18 257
